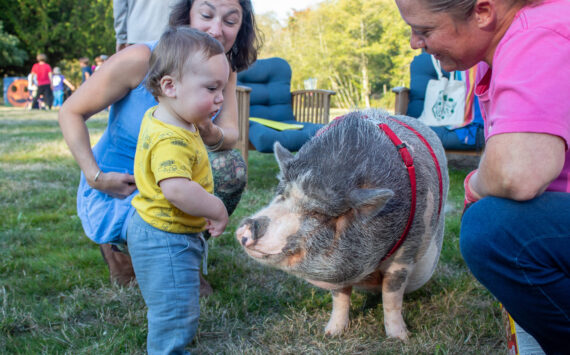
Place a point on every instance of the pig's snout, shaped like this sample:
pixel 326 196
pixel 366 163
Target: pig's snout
pixel 244 235
pixel 251 230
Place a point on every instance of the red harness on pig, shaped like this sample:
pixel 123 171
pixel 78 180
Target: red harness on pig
pixel 409 162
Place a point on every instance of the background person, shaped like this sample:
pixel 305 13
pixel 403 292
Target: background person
pixel 42 74
pixel 99 60
pixel 515 237
pixel 86 70
pixel 59 83
pixel 138 21
pixel 107 184
pixel 175 204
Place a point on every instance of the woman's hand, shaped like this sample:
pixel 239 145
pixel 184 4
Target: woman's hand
pixel 226 121
pixel 210 133
pixel 117 185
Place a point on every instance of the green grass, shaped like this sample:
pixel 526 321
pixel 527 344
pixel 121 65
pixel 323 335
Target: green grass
pixel 55 297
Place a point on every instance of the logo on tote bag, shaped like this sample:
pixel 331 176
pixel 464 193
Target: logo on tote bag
pixel 444 107
pixel 445 99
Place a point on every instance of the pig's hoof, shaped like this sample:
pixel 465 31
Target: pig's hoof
pixel 399 332
pixel 335 328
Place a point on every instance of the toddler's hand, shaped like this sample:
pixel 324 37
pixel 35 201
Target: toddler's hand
pixel 217 226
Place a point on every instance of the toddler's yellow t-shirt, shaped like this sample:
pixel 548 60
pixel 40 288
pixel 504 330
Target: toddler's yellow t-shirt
pixel 167 151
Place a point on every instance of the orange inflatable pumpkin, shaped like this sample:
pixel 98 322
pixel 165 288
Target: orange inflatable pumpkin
pixel 17 93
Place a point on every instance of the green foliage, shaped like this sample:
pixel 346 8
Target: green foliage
pixel 62 29
pixel 355 47
pixel 10 53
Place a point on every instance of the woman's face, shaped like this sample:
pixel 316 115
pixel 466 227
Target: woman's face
pixel 458 45
pixel 220 19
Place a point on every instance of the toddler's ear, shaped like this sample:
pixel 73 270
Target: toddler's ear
pixel 168 86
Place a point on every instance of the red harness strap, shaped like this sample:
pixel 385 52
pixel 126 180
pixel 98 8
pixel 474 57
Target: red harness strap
pixel 409 162
pixel 436 163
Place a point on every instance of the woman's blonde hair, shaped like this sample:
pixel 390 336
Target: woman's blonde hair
pixel 175 47
pixel 461 9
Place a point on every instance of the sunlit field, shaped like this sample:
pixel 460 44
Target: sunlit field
pixel 55 295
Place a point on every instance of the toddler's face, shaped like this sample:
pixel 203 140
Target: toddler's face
pixel 200 90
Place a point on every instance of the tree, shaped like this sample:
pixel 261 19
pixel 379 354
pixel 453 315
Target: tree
pixel 356 47
pixel 62 29
pixel 10 53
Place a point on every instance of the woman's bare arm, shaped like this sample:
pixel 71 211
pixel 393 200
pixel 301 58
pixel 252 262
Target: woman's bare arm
pixel 518 166
pixel 120 74
pixel 227 119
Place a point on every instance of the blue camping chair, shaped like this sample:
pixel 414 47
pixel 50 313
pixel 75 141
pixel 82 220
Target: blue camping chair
pixel 410 102
pixel 270 97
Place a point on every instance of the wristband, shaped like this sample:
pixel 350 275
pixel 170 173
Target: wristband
pixel 97 175
pixel 469 197
pixel 216 146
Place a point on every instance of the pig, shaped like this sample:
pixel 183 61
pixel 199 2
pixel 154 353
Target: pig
pixel 344 201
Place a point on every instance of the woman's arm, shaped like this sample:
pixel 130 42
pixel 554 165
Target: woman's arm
pixel 69 84
pixel 227 120
pixel 120 74
pixel 518 166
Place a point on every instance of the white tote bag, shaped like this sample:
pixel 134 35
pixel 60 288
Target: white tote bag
pixel 444 103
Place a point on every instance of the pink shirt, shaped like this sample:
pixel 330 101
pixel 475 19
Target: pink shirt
pixel 528 87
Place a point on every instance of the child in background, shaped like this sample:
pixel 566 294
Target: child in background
pixel 59 82
pixel 175 203
pixel 32 91
pixel 86 70
pixel 99 61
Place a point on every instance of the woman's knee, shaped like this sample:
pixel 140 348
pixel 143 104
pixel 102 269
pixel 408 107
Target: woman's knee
pixel 230 177
pixel 229 170
pixel 481 229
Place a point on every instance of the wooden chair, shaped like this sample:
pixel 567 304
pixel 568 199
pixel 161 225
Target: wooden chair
pixel 312 105
pixel 243 93
pixel 409 101
pixel 265 87
pixel 400 108
pixel 308 106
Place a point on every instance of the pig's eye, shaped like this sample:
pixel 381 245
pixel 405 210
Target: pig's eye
pixel 318 216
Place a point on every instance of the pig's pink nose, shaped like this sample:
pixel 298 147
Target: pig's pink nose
pixel 244 235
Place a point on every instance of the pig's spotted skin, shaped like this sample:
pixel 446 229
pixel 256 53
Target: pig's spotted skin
pixel 343 202
pixel 396 279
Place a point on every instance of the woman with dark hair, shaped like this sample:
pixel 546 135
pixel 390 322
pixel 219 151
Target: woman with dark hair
pixel 515 232
pixel 107 184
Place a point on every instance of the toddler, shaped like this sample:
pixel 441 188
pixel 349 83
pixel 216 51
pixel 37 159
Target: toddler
pixel 175 203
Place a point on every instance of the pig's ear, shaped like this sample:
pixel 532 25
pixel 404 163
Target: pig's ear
pixel 369 202
pixel 282 155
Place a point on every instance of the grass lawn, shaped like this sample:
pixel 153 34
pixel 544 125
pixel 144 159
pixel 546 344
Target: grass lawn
pixel 55 297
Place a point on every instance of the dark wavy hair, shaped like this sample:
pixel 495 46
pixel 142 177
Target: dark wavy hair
pixel 244 50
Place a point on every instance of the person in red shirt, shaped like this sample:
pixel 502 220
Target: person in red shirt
pixel 42 73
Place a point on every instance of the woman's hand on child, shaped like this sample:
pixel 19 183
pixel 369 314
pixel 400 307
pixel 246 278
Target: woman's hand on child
pixel 117 185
